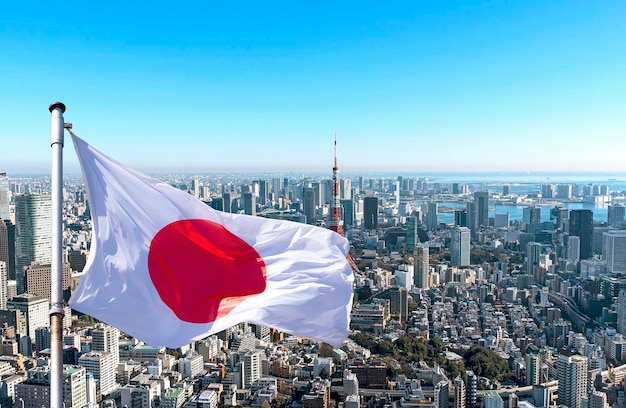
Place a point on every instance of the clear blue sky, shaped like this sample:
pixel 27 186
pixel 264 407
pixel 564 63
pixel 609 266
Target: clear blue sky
pixel 264 86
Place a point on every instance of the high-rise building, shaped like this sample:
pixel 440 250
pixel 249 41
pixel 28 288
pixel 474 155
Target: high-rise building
pixel 459 392
pixel 559 217
pixel 460 246
pixel 309 205
pixel 350 383
pixel 38 281
pixel 441 391
pixel 10 242
pixel 251 367
pixel 34 308
pixel 35 391
pixel 481 200
pixel 460 217
pixel 621 312
pixel 502 220
pixel 264 190
pixel 412 238
pixel 3 285
pixel 548 191
pixel 471 385
pixel 493 399
pixel 564 191
pixel 345 188
pixel 249 203
pixel 228 202
pixel 106 338
pixel 5 197
pixel 615 215
pixel 399 302
pixel 533 369
pixel 572 377
pixel 191 365
pixel 33 233
pixel 573 248
pixel 581 225
pixel 614 250
pixel 347 207
pixel 470 216
pixel 533 251
pixel 422 266
pixel 531 215
pixel 370 213
pixel 101 365
pixel 4 244
pixel 597 399
pixel 431 215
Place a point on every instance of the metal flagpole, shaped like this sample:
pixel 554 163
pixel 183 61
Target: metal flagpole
pixel 57 125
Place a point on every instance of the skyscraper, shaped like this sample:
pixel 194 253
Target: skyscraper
pixel 460 217
pixel 249 203
pixel 460 246
pixel 533 250
pixel 411 233
pixel 615 215
pixel 581 225
pixel 33 233
pixel 228 201
pixel 614 250
pixel 9 228
pixel 309 205
pixel 572 376
pixel 559 217
pixel 481 199
pixel 264 190
pixel 621 312
pixel 573 248
pixel 431 215
pixel 531 215
pixel 3 285
pixel 399 302
pixel 347 207
pixel 4 245
pixel 5 197
pixel 370 213
pixel 422 266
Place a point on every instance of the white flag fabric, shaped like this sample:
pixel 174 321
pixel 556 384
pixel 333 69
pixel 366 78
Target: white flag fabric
pixel 168 269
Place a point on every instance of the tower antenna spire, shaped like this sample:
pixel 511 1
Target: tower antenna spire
pixel 336 222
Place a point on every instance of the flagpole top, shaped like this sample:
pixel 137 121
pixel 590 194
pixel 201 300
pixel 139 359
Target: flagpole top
pixel 55 105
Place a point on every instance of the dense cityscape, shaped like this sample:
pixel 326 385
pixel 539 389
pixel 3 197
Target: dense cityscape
pixel 467 294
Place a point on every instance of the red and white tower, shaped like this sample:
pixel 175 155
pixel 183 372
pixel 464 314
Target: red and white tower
pixel 336 223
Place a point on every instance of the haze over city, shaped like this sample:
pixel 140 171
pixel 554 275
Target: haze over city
pixel 407 87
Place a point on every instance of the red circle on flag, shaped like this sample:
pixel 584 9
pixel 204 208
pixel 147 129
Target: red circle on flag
pixel 202 271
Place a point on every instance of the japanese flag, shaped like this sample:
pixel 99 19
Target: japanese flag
pixel 167 269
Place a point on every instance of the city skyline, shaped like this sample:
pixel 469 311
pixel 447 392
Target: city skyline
pixel 416 87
